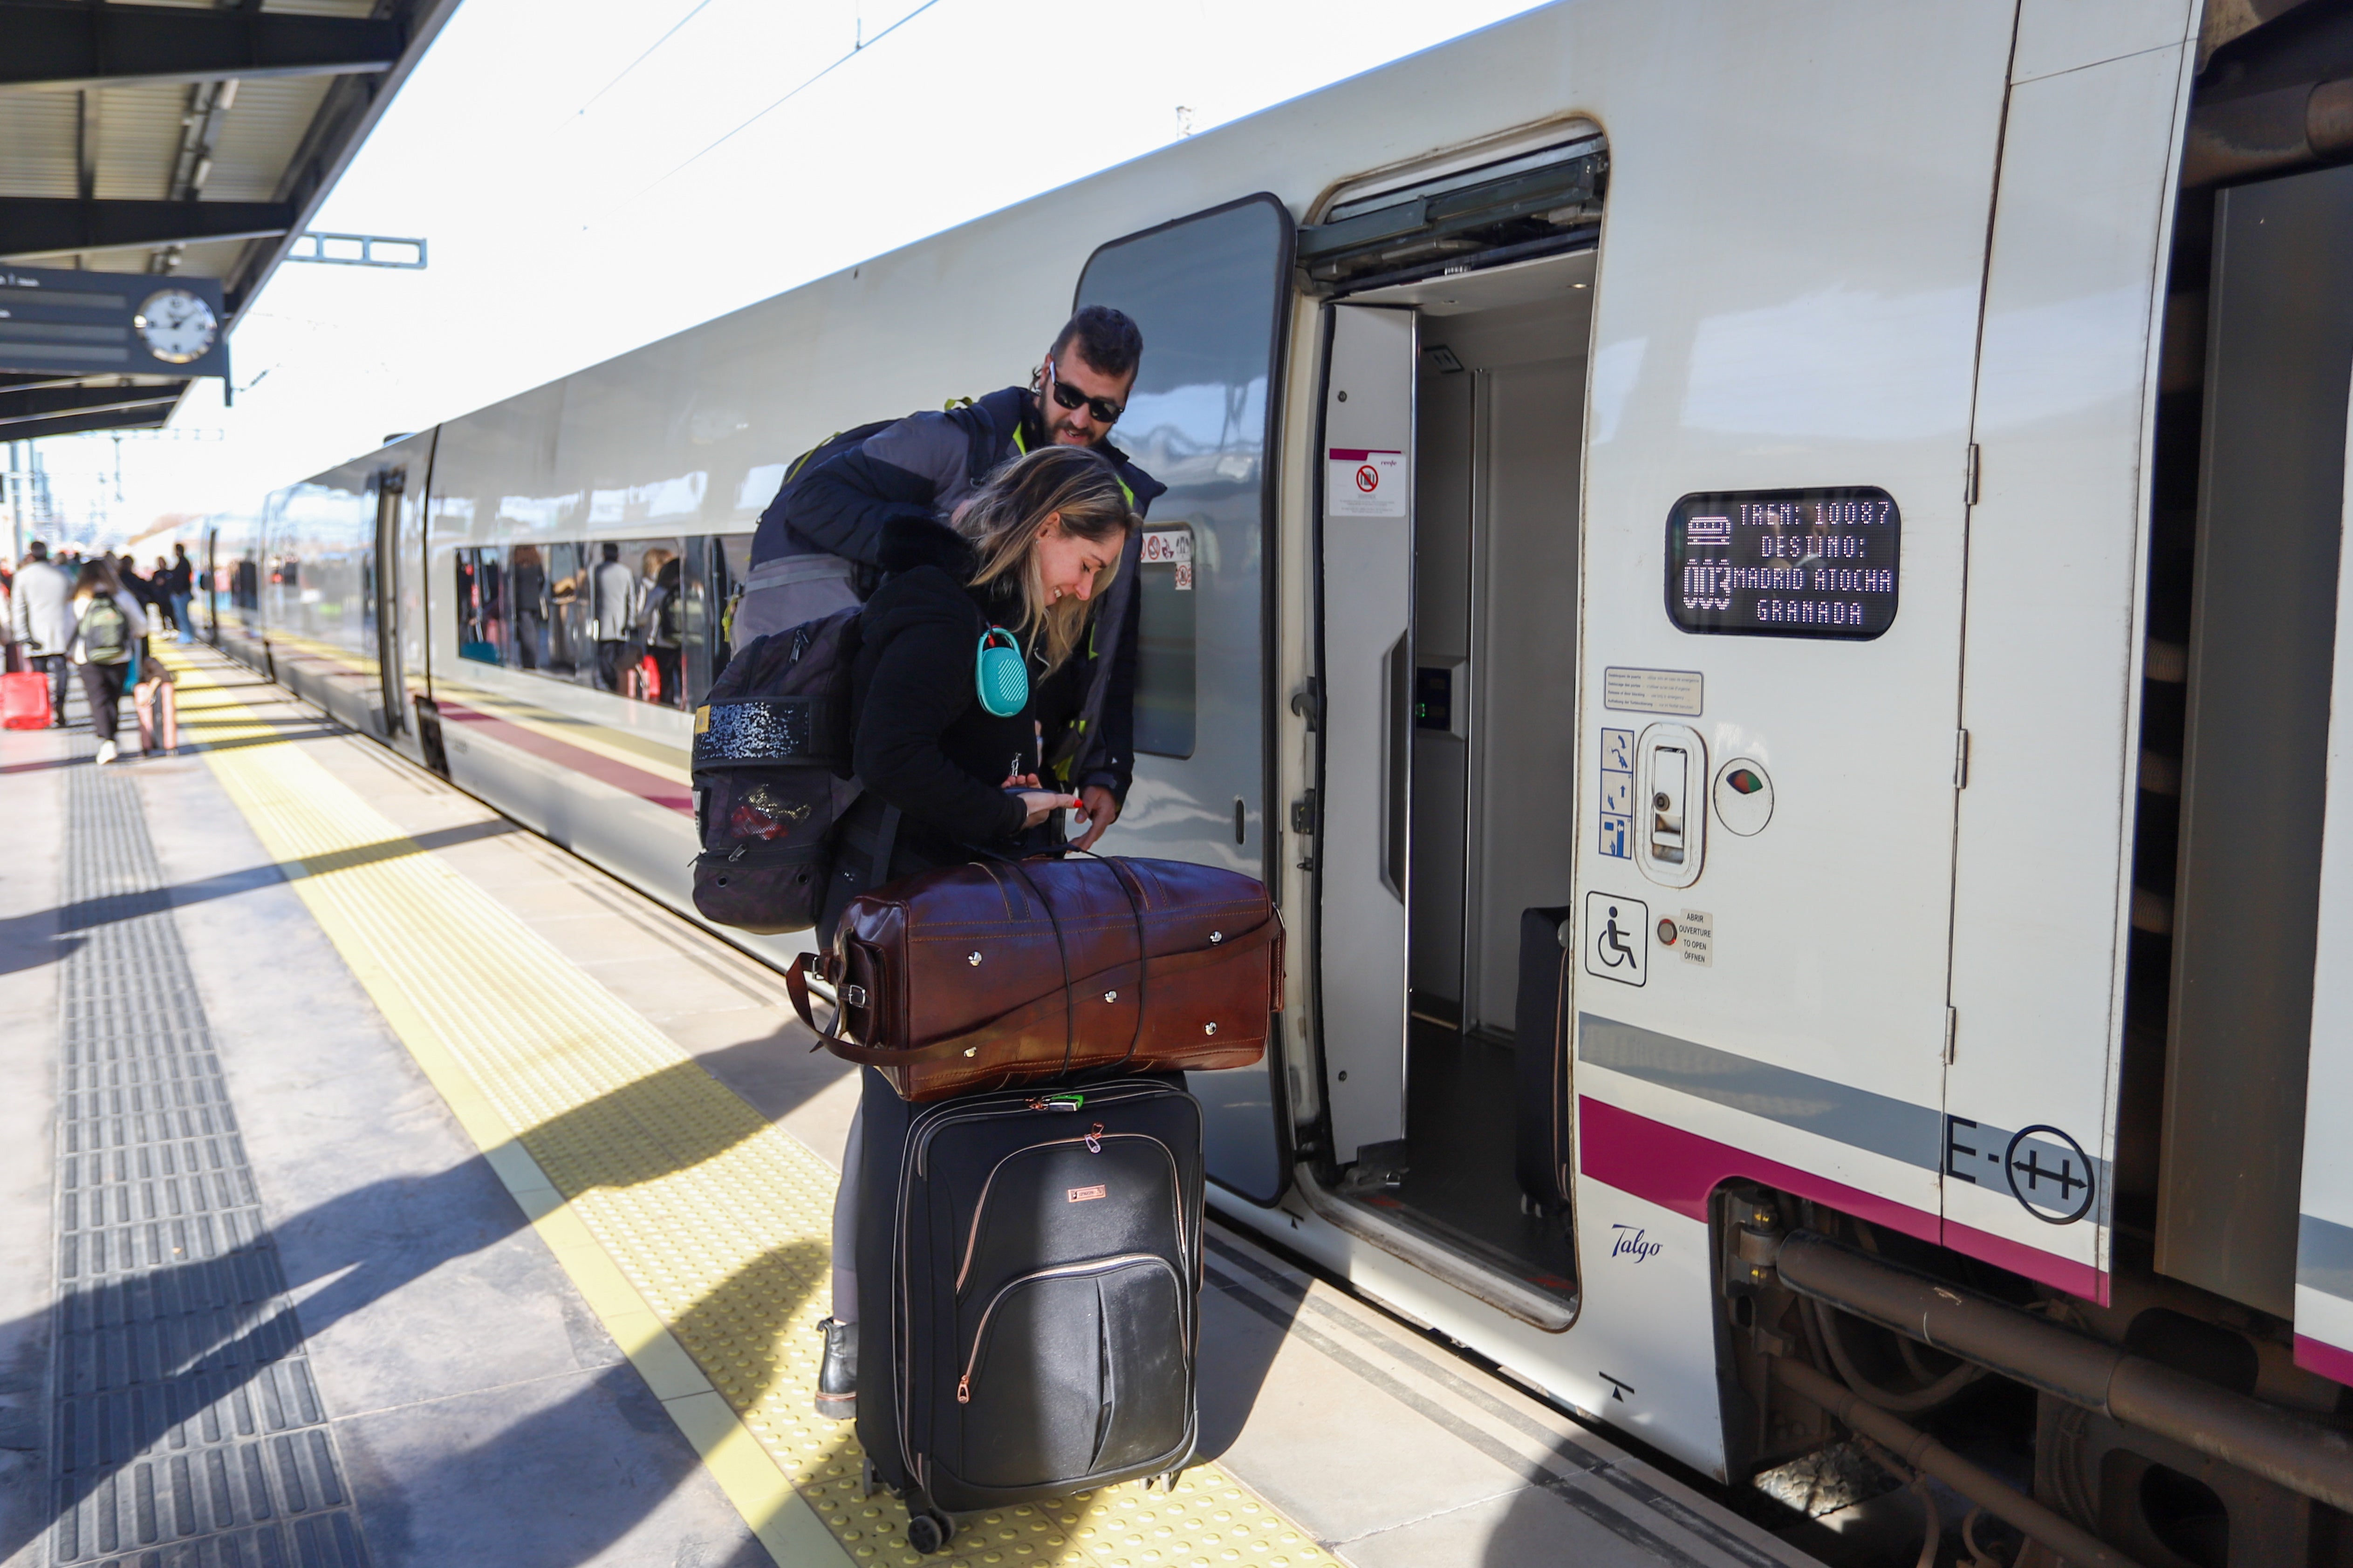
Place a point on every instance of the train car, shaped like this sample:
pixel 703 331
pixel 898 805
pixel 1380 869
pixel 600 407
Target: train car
pixel 1761 581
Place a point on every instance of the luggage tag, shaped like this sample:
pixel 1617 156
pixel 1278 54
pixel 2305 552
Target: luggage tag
pixel 1002 674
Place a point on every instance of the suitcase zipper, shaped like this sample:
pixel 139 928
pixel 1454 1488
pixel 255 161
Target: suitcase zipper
pixel 1098 1266
pixel 1094 1141
pixel 1017 1102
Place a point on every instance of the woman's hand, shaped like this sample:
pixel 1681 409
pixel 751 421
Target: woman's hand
pixel 1042 804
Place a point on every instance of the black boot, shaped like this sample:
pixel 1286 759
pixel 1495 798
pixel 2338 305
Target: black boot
pixel 837 1380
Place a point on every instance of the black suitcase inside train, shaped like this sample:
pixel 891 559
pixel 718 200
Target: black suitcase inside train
pixel 1541 1137
pixel 1028 1275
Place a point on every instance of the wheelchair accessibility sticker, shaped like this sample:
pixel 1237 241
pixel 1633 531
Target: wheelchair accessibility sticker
pixel 1616 938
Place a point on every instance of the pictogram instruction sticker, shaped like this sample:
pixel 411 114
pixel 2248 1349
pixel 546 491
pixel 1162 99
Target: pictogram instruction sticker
pixel 1617 793
pixel 1363 482
pixel 1616 938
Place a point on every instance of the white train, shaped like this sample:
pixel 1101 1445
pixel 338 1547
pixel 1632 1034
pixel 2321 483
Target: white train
pixel 1838 503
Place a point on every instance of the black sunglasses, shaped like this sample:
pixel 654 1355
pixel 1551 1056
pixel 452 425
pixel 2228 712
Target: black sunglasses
pixel 1104 410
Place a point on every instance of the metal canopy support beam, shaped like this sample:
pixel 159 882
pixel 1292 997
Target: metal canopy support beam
pixel 23 407
pixel 346 114
pixel 145 419
pixel 33 226
pixel 47 45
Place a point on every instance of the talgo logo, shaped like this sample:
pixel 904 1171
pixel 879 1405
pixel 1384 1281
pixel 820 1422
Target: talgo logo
pixel 1084 1195
pixel 1629 1242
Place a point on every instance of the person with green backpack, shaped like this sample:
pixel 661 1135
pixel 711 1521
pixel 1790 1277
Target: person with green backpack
pixel 109 628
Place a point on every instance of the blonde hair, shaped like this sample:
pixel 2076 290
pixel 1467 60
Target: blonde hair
pixel 1006 515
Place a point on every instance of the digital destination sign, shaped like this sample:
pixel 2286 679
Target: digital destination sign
pixel 1785 564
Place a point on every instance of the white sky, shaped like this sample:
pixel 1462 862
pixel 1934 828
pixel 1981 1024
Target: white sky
pixel 576 206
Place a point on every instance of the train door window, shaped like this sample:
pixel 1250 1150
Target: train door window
pixel 713 565
pixel 481 604
pixel 1166 673
pixel 1211 294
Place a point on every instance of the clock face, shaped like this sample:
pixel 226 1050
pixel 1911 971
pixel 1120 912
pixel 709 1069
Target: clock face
pixel 178 326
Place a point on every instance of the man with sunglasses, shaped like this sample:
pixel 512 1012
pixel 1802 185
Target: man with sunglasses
pixel 820 542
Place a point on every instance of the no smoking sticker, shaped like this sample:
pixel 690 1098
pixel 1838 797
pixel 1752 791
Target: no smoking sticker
pixel 1362 482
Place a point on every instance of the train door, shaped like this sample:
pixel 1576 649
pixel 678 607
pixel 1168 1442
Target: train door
pixel 386 558
pixel 1448 548
pixel 1209 293
pixel 1365 551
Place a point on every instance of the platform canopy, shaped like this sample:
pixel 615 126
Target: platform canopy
pixel 190 137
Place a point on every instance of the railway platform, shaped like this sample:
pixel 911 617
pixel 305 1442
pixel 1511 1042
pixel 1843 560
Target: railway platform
pixel 389 1186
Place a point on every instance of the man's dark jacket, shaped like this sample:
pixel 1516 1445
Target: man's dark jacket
pixel 920 468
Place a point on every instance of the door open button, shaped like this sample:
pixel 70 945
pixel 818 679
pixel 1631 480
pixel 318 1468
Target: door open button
pixel 1670 768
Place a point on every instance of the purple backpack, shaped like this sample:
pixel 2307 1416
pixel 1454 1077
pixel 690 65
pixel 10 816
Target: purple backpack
pixel 772 776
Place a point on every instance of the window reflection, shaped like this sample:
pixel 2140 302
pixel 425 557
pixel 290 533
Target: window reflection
pixel 642 618
pixel 527 600
pixel 480 604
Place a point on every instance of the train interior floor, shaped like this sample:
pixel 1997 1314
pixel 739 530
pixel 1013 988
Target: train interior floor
pixel 1458 1182
pixel 393 1187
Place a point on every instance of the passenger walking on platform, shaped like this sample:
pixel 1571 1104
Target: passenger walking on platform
pixel 612 610
pixel 180 587
pixel 159 583
pixel 817 547
pixel 108 624
pixel 40 616
pixel 946 771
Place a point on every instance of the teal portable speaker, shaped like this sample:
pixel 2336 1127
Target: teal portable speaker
pixel 1001 673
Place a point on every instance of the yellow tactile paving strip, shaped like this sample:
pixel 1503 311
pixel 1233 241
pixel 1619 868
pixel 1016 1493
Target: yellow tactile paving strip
pixel 696 1229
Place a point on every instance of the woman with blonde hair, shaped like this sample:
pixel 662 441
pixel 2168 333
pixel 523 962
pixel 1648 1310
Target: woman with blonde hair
pixel 945 737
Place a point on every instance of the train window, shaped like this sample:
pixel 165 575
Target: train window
pixel 1165 659
pixel 1785 564
pixel 481 604
pixel 530 641
pixel 636 607
pixel 571 647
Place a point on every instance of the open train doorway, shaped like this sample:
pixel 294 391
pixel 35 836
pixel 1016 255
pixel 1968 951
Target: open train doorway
pixel 1450 660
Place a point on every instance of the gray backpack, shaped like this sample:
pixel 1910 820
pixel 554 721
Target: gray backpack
pixel 105 632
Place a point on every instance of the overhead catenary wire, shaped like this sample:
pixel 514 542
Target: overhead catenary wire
pixel 856 50
pixel 700 7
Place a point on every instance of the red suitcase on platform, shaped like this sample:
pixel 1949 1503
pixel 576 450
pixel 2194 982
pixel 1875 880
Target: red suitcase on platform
pixel 25 701
pixel 159 716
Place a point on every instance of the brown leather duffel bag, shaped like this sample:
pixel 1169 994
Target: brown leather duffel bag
pixel 996 974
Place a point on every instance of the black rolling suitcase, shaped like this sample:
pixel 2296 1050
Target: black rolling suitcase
pixel 1028 1275
pixel 1540 1141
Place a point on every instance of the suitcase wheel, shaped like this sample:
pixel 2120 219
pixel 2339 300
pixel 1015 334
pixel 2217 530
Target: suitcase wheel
pixel 866 1477
pixel 927 1532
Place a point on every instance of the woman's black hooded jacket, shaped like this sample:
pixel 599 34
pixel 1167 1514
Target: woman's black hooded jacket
pixel 922 739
